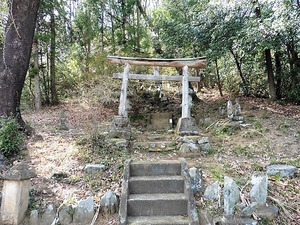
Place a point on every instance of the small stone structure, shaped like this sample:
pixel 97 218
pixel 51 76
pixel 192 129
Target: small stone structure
pixel 15 194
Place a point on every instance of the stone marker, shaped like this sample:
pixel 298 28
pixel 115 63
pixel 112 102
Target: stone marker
pixel 196 179
pixel 94 168
pixel 109 203
pixel 231 196
pixel 63 121
pixel 84 212
pixel 229 108
pixel 15 194
pixel 283 170
pixel 259 191
pixel 212 191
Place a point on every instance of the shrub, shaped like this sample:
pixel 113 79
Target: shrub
pixel 10 136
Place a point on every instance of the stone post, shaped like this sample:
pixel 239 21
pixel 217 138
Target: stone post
pixel 186 124
pixel 15 194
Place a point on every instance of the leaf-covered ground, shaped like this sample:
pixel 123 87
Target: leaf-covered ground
pixel 59 156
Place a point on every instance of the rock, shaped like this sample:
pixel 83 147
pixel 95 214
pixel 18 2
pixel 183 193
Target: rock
pixel 231 196
pixel 239 221
pixel 94 168
pixel 196 179
pixel 84 212
pixel 193 147
pixel 48 215
pixel 65 215
pixel 249 210
pixel 259 191
pixel 269 212
pixel 212 191
pixel 283 170
pixel 204 144
pixel 34 217
pixel 204 218
pixel 109 203
pixel 184 148
pixel 120 128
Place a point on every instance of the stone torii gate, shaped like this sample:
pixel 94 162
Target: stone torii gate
pixel 186 124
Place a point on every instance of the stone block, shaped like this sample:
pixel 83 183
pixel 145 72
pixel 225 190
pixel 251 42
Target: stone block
pixel 187 126
pixel 94 168
pixel 231 196
pixel 196 179
pixel 283 170
pixel 84 212
pixel 259 190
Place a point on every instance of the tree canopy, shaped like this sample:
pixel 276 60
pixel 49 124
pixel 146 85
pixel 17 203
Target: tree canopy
pixel 252 46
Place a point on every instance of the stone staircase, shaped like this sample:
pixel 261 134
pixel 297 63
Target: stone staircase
pixel 157 193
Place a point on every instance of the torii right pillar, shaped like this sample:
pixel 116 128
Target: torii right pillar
pixel 186 124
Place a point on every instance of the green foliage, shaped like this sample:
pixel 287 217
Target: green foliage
pixel 11 137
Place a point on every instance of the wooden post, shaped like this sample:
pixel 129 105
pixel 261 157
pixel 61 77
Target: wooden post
pixel 185 94
pixel 123 97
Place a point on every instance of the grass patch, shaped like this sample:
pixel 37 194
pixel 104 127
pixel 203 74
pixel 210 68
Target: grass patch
pixel 242 151
pixel 217 172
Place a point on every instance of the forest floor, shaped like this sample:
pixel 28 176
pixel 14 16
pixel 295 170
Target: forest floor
pixel 58 156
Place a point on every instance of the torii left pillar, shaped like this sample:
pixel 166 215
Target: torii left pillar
pixel 120 127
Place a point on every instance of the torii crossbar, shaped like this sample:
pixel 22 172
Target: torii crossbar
pixel 184 63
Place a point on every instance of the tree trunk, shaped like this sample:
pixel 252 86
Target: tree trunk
pixel 113 42
pixel 278 75
pixel 271 80
pixel 54 97
pixel 294 62
pixel 218 78
pixel 15 55
pixel 239 68
pixel 123 23
pixel 37 90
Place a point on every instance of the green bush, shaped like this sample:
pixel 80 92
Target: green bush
pixel 11 137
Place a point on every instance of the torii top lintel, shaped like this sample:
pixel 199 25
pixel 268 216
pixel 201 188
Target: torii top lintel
pixel 197 63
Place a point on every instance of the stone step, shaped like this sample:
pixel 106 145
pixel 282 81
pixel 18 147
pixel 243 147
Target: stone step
pixel 155 146
pixel 155 168
pixel 156 184
pixel 174 204
pixel 158 220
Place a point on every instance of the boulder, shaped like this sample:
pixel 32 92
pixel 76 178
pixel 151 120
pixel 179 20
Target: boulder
pixel 84 212
pixel 283 170
pixel 212 191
